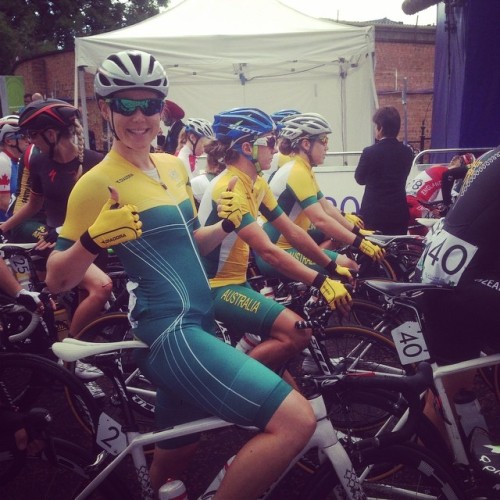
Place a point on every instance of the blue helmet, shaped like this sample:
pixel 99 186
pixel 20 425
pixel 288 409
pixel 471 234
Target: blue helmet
pixel 240 125
pixel 284 113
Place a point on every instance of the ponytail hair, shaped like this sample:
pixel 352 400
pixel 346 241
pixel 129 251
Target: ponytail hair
pixel 285 147
pixel 221 152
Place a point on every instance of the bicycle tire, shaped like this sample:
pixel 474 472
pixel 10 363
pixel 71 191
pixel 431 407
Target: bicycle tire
pixel 356 347
pixel 362 312
pixel 28 381
pixel 398 472
pixel 372 351
pixel 57 473
pixel 114 327
pixel 381 269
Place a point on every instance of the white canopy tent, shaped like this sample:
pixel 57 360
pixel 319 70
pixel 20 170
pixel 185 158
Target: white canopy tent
pixel 221 54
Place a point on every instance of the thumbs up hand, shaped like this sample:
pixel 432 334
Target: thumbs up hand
pixel 229 207
pixel 114 225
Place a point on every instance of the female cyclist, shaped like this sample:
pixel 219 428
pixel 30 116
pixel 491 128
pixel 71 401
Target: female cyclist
pixel 305 138
pixel 52 125
pixel 171 307
pixel 192 140
pixel 246 142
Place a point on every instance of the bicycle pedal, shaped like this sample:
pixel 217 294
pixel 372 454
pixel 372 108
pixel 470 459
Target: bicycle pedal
pixel 95 390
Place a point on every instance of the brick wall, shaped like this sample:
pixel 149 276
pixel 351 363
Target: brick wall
pixel 401 52
pixel 395 62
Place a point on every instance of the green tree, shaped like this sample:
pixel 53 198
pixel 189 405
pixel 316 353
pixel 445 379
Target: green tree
pixel 31 27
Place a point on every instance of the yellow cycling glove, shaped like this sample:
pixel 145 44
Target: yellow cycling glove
pixel 334 292
pixel 113 226
pixel 229 207
pixel 334 269
pixel 368 248
pixel 366 232
pixel 354 219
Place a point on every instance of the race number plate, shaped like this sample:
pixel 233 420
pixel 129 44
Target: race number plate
pixel 445 258
pixel 410 343
pixel 20 264
pixel 110 435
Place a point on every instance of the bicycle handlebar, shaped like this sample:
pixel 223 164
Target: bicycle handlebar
pixel 34 322
pixel 35 318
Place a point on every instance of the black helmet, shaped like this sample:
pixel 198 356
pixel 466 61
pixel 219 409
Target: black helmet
pixel 50 113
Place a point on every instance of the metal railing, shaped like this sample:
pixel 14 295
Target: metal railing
pixel 447 151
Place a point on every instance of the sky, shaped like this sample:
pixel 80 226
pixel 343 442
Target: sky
pixel 364 10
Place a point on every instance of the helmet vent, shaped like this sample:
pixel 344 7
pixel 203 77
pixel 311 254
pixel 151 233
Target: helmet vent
pixel 136 61
pixel 119 63
pixel 156 83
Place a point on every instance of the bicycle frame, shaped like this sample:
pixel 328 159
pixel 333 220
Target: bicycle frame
pixel 440 372
pixel 324 438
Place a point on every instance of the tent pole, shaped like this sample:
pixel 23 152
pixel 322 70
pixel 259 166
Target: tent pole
pixel 83 99
pixel 404 101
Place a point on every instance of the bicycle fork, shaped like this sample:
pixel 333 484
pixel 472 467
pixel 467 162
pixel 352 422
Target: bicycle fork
pixel 326 440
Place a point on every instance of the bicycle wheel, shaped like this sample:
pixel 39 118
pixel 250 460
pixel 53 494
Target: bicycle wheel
pixel 58 472
pixel 362 312
pixel 352 347
pixel 115 327
pixel 355 348
pixel 375 269
pixel 28 381
pixel 398 472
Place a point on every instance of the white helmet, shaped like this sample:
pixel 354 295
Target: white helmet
pixel 130 69
pixel 304 125
pixel 200 127
pixel 8 125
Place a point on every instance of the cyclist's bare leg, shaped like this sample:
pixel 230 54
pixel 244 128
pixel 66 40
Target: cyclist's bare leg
pixel 266 456
pixel 285 342
pixel 98 286
pixel 170 464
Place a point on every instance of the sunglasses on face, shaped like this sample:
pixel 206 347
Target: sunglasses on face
pixel 322 140
pixel 127 107
pixel 268 141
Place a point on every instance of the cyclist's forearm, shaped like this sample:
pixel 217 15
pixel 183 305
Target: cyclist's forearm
pixel 285 264
pixel 301 240
pixel 332 229
pixel 66 269
pixel 336 214
pixel 209 237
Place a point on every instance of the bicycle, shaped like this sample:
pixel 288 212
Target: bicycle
pixel 479 471
pixel 335 471
pixel 46 397
pixel 332 348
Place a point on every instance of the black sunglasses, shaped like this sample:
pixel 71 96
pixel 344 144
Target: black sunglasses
pixel 127 107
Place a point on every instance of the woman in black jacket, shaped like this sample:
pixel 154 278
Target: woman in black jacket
pixel 383 169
